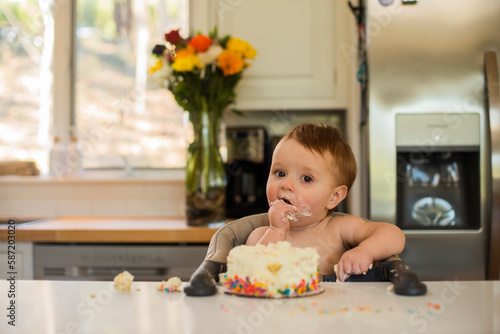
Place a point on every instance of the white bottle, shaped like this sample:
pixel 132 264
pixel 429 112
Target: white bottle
pixel 58 159
pixel 74 158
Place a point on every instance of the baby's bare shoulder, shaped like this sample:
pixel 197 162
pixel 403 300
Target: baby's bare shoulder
pixel 340 219
pixel 339 224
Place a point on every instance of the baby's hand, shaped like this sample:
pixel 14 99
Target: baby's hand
pixel 281 214
pixel 354 262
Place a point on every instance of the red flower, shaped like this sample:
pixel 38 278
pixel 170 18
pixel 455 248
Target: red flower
pixel 173 36
pixel 200 42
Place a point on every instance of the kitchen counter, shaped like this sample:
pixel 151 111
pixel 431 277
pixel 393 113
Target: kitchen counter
pixel 110 230
pixel 95 307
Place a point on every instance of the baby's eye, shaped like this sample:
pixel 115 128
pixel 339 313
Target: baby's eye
pixel 279 173
pixel 307 178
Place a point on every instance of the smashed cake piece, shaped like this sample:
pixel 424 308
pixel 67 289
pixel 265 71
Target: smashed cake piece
pixel 123 281
pixel 173 284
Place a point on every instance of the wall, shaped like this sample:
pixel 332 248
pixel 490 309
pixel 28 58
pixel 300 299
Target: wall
pixel 146 196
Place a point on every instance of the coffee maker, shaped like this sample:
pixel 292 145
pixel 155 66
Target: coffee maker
pixel 249 151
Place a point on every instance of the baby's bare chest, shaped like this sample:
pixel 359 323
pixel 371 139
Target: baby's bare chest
pixel 328 245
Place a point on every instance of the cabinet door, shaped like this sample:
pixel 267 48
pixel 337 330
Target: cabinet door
pixel 23 261
pixel 296 43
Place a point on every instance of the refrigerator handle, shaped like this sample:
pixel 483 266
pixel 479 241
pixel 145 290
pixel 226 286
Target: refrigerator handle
pixel 492 122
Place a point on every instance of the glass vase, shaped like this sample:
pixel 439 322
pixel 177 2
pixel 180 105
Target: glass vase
pixel 205 173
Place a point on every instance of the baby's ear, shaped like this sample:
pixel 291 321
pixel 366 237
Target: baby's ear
pixel 338 194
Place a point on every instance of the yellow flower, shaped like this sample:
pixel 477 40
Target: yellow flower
pixel 186 60
pixel 160 72
pixel 230 62
pixel 156 67
pixel 241 47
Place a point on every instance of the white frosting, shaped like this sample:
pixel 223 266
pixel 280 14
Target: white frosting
pixel 293 215
pixel 276 267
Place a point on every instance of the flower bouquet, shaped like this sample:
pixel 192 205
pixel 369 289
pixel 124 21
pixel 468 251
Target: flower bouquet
pixel 202 73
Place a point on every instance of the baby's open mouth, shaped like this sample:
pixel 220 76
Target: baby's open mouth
pixel 286 201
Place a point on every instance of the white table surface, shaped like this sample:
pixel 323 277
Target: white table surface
pixel 95 307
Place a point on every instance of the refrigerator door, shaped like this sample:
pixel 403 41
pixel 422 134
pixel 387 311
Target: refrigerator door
pixel 428 58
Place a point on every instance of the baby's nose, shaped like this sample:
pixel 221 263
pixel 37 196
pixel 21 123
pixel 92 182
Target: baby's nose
pixel 287 184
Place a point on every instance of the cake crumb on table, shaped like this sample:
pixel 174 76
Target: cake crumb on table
pixel 123 281
pixel 173 284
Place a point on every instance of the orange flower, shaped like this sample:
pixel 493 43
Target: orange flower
pixel 187 52
pixel 200 42
pixel 230 62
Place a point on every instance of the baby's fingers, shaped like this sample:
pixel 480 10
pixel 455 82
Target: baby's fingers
pixel 341 272
pixel 360 268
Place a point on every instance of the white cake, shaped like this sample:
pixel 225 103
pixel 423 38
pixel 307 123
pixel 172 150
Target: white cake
pixel 275 270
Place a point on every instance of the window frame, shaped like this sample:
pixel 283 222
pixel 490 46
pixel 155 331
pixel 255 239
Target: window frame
pixel 64 69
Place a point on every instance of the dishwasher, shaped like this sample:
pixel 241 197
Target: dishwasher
pixel 102 262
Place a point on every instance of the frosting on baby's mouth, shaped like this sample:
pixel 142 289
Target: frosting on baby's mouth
pixel 293 215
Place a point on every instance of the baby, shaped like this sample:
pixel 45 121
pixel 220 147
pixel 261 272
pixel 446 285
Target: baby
pixel 311 172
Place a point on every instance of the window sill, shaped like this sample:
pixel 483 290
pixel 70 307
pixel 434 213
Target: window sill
pixel 103 176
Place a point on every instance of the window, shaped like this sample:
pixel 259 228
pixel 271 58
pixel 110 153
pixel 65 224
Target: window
pixel 134 123
pixel 26 51
pixel 119 118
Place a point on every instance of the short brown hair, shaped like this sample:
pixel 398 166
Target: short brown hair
pixel 323 138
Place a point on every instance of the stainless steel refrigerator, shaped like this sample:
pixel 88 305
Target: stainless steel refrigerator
pixel 433 131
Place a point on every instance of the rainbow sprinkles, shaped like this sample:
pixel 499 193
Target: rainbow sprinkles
pixel 276 271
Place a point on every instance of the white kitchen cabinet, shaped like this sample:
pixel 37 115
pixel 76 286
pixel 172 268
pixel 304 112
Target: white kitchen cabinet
pixel 299 64
pixel 23 260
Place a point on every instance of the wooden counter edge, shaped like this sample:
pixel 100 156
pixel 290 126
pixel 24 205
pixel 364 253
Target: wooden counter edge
pixel 201 235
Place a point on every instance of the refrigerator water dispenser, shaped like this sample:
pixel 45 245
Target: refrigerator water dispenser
pixel 438 179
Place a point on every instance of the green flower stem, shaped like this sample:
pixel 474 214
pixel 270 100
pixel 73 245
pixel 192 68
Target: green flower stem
pixel 205 169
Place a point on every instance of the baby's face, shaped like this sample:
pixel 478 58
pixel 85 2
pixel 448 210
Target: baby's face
pixel 302 178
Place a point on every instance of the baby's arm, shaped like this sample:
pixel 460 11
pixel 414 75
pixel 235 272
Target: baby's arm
pixel 265 235
pixel 371 241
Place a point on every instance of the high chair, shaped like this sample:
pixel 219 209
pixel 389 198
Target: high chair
pixel 203 281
